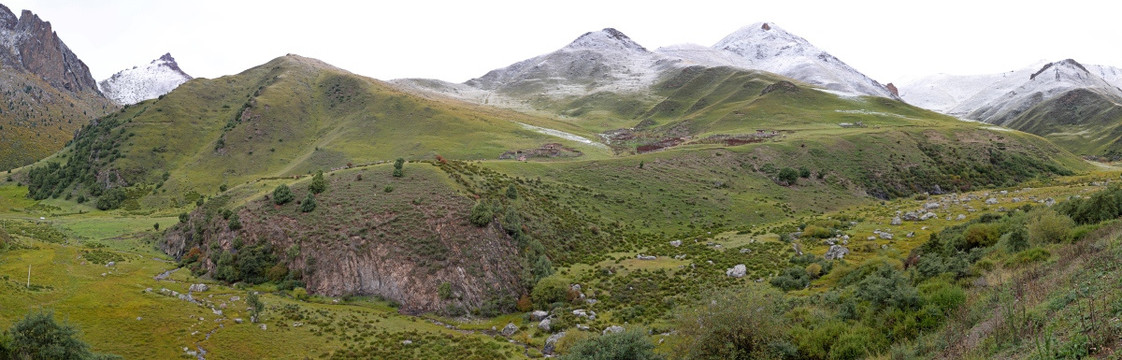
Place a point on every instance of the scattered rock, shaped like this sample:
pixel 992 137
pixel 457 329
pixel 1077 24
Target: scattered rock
pixel 198 288
pixel 931 206
pixel 836 252
pixel 238 320
pixel 406 342
pixel 235 298
pixel 591 301
pixel 537 315
pixel 111 263
pixel 737 271
pixel 897 221
pixel 676 243
pixel 745 250
pixel 582 327
pixel 264 327
pixel 991 201
pixel 1049 202
pixel 139 318
pixel 509 329
pixel 544 325
pixel 911 234
pixel 612 329
pixel 960 217
pixel 580 313
pixel 928 216
pixel 551 343
pixel 646 257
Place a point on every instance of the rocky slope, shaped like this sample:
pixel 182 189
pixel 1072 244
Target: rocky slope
pixel 137 84
pixel 49 91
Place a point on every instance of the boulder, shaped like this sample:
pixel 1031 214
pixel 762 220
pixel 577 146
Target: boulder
pixel 509 329
pixel 645 257
pixel 544 324
pixel 928 216
pixel 737 271
pixel 551 343
pixel 537 315
pixel 836 252
pixel 960 217
pixel 991 201
pixel 897 221
pixel 931 206
pixel 198 288
pixel 676 243
pixel 612 329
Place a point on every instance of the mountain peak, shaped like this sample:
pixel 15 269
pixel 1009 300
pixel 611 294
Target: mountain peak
pixel 141 83
pixel 609 38
pixel 1059 66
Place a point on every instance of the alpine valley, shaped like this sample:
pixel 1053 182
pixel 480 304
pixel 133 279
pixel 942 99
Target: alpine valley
pixel 758 198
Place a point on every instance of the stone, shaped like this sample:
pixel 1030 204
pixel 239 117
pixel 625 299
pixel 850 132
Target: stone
pixel 931 206
pixel 911 216
pixel 836 252
pixel 238 320
pixel 139 318
pixel 676 243
pixel 591 301
pixel 544 324
pixel 897 221
pixel 960 217
pixel 574 287
pixel 928 216
pixel 737 271
pixel 646 257
pixel 235 298
pixel 509 329
pixel 551 343
pixel 911 234
pixel 264 327
pixel 745 250
pixel 612 329
pixel 991 201
pixel 198 288
pixel 406 342
pixel 538 315
pixel 582 327
pixel 111 263
pixel 580 313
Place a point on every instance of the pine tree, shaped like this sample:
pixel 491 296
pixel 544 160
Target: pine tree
pixel 282 195
pixel 318 184
pixel 308 204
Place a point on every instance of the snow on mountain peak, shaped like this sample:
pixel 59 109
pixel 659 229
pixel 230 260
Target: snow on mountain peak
pixel 137 84
pixel 608 38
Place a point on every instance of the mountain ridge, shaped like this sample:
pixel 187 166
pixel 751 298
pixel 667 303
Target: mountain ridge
pixel 137 84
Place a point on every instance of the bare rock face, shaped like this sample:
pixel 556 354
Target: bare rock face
pixel 892 89
pixel 30 44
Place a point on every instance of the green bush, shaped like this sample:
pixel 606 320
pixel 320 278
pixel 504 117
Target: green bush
pixel 397 167
pixel 1046 226
pixel 741 323
pixel 981 235
pixel 481 214
pixel 444 290
pixel 318 184
pixel 942 294
pixel 631 344
pixel 549 290
pixel 38 336
pixel 282 195
pixel 234 224
pixel 1030 256
pixel 308 204
pixel 787 176
pixel 886 287
pixel 792 278
pixel 111 199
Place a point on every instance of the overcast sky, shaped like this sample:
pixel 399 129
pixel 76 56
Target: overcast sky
pixel 458 40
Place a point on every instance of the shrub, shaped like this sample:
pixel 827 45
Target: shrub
pixel 111 199
pixel 816 231
pixel 444 290
pixel 308 204
pixel 793 278
pixel 397 167
pixel 481 214
pixel 511 192
pixel 744 323
pixel 886 287
pixel 318 184
pixel 222 188
pixel 631 344
pixel 282 195
pixel 38 336
pixel 814 270
pixel 255 305
pixel 524 303
pixel 804 172
pixel 235 222
pixel 1031 256
pixel 1047 226
pixel 549 290
pixel 981 235
pixel 942 294
pixel 300 293
pixel 787 176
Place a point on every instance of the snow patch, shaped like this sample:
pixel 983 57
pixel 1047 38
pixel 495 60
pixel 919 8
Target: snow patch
pixel 563 135
pixel 140 83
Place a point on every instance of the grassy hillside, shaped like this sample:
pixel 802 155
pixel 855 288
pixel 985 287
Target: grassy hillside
pixel 37 119
pixel 1082 121
pixel 288 117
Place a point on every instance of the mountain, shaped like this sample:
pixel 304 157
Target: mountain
pixel 49 91
pixel 1074 105
pixel 766 47
pixel 137 84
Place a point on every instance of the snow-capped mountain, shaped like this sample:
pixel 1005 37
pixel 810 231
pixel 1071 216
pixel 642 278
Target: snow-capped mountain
pixel 140 83
pixel 764 46
pixel 605 60
pixel 997 98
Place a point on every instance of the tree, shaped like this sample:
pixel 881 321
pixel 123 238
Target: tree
pixel 397 167
pixel 318 184
pixel 631 344
pixel 308 204
pixel 788 176
pixel 552 289
pixel 235 222
pixel 255 305
pixel 511 192
pixel 282 195
pixel 742 323
pixel 156 226
pixel 38 336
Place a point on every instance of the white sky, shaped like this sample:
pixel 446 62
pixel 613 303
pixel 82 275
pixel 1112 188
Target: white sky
pixel 458 40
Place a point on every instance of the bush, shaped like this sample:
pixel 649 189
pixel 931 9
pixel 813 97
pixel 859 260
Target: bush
pixel 397 167
pixel 744 323
pixel 886 287
pixel 445 291
pixel 631 344
pixel 793 278
pixel 787 176
pixel 511 192
pixel 111 199
pixel 549 290
pixel 1031 256
pixel 318 184
pixel 804 172
pixel 816 231
pixel 981 235
pixel 308 204
pixel 38 336
pixel 942 294
pixel 481 214
pixel 1046 226
pixel 282 195
pixel 235 222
